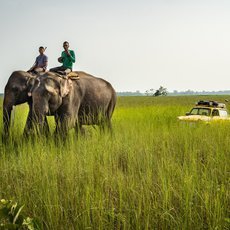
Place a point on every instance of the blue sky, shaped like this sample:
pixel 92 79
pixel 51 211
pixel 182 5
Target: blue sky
pixel 135 45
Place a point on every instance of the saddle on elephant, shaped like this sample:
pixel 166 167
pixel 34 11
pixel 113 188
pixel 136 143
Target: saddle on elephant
pixel 71 75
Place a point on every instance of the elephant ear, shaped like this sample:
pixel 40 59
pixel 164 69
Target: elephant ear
pixel 51 89
pixel 31 82
pixel 65 87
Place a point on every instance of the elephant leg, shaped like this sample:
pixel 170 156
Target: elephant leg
pixel 105 125
pixel 59 134
pixel 57 122
pixel 29 122
pixel 79 129
pixel 110 128
pixel 109 124
pixel 6 120
pixel 46 127
pixel 62 125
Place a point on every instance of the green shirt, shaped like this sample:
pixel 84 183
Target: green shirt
pixel 68 60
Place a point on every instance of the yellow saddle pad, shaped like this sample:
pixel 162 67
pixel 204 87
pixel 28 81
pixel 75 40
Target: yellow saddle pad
pixel 73 76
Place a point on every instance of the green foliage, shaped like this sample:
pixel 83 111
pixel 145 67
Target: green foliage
pixel 12 217
pixel 153 172
pixel 159 92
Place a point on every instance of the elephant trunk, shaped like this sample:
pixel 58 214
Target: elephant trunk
pixel 7 109
pixel 40 110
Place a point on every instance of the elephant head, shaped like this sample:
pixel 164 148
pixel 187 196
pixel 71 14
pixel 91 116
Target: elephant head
pixel 15 93
pixel 47 96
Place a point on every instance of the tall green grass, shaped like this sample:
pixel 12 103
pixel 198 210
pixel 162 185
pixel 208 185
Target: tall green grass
pixel 153 172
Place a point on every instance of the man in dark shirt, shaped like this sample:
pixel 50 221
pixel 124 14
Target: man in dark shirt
pixel 67 59
pixel 41 62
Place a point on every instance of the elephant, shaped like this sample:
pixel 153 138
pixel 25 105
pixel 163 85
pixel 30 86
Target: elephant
pixel 86 101
pixel 16 92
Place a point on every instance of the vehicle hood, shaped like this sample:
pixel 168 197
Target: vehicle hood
pixel 202 118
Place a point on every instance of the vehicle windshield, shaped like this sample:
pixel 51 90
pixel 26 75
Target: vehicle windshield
pixel 223 113
pixel 200 111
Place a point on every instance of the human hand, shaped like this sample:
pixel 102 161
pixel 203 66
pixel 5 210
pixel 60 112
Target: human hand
pixel 67 52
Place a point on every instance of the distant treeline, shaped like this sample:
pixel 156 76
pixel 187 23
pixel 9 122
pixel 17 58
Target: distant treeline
pixel 128 93
pixel 177 93
pixel 190 92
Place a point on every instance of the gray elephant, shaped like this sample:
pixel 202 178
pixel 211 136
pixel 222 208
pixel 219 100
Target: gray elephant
pixel 16 92
pixel 86 101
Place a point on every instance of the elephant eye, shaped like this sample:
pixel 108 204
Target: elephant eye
pixel 15 88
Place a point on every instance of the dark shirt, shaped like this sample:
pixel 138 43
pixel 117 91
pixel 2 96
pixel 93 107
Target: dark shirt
pixel 41 61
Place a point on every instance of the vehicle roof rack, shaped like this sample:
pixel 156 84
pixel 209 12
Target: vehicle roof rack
pixel 211 104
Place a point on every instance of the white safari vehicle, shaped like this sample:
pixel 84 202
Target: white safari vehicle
pixel 207 111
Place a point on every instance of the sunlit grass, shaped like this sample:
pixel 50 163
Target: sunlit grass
pixel 152 173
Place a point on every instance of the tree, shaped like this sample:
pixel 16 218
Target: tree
pixel 160 92
pixel 155 93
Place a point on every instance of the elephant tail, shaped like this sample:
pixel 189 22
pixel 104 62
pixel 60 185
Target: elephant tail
pixel 111 105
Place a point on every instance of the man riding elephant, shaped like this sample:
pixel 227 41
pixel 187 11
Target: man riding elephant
pixel 41 62
pixel 67 59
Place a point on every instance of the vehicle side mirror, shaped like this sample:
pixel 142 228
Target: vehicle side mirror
pixel 188 113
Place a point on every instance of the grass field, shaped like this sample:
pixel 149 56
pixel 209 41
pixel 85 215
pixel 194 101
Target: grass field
pixel 152 173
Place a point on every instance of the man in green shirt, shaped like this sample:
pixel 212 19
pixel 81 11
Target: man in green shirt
pixel 67 59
